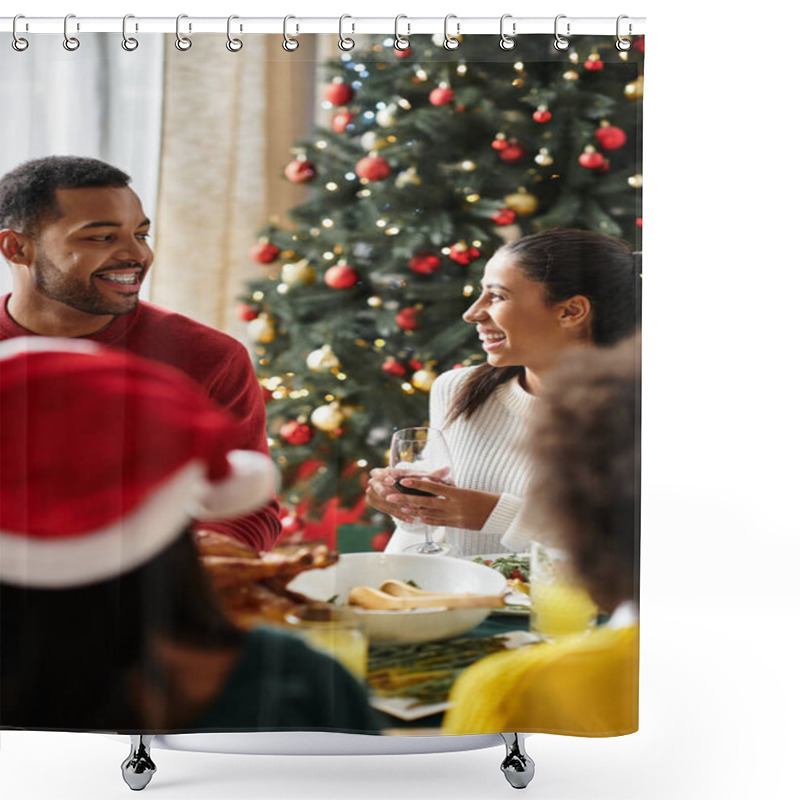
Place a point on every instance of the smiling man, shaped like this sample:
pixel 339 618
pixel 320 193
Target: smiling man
pixel 76 238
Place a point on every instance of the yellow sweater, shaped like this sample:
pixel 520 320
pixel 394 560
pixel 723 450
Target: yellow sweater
pixel 585 686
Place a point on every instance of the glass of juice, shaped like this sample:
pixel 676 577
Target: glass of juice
pixel 334 630
pixel 559 606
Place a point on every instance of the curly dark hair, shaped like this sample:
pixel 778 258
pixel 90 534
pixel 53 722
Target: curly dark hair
pixel 586 447
pixel 28 192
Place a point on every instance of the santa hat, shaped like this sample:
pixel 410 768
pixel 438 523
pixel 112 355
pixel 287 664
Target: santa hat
pixel 105 458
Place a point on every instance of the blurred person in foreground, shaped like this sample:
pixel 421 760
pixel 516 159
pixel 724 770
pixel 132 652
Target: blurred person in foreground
pixel 75 237
pixel 586 445
pixel 107 618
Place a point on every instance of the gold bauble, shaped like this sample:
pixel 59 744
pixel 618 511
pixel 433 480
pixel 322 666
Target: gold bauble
pixel 635 89
pixel 327 418
pixel 261 329
pixel 408 177
pixel 571 75
pixel 522 202
pixel 543 158
pixel 370 141
pixel 299 272
pixel 322 359
pixel 635 181
pixel 375 301
pixel 423 379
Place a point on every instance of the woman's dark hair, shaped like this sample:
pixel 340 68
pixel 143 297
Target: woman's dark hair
pixel 586 444
pixel 28 192
pixel 567 263
pixel 68 657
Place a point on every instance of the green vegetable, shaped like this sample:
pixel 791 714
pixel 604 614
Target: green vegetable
pixel 507 564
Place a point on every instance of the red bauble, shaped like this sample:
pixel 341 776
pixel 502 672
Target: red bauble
pixel 425 263
pixel 406 319
pixel 514 152
pixel 464 254
pixel 591 160
pixel 542 115
pixel 373 168
pixel 246 312
pixel 380 540
pixel 393 367
pixel 403 53
pixel 341 276
pixel 610 137
pixel 605 166
pixel 504 216
pixel 296 433
pixel 500 143
pixel 442 96
pixel 292 524
pixel 341 120
pixel 593 65
pixel 300 171
pixel 638 43
pixel 264 252
pixel 338 93
pixel 638 222
pixel 414 364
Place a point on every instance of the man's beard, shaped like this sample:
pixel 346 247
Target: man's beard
pixel 54 284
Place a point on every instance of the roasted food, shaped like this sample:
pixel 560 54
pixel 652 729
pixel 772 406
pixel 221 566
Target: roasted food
pixel 251 585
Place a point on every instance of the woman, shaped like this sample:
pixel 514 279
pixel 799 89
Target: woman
pixel 541 296
pixel 586 444
pixel 108 620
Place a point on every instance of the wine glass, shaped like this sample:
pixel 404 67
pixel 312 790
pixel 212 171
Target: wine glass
pixel 421 453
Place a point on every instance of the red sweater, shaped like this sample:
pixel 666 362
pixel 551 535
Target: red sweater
pixel 216 361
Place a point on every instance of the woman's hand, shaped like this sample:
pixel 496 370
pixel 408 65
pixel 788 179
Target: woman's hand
pixel 451 506
pixel 379 487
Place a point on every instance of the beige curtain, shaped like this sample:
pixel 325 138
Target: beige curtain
pixel 229 122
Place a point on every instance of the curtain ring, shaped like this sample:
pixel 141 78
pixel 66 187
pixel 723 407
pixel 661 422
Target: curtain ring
pixel 128 42
pixel 290 44
pixel 450 42
pixel 70 43
pixel 561 43
pixel 506 42
pixel 183 43
pixel 622 43
pixel 401 42
pixel 345 42
pixel 233 45
pixel 18 43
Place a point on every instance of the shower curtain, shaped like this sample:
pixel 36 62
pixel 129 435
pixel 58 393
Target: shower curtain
pixel 324 232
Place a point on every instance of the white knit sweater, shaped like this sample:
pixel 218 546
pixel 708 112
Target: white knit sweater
pixel 489 454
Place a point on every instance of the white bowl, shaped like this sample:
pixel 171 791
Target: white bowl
pixel 430 573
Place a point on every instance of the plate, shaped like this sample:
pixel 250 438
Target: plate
pixel 404 708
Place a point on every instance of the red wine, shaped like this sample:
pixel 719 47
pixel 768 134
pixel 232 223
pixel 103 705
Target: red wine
pixel 418 492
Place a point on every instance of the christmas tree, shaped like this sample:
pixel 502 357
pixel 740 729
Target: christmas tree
pixel 433 158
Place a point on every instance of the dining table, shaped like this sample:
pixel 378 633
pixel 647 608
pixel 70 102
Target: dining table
pixel 426 719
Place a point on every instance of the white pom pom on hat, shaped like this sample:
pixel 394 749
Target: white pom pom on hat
pixel 105 458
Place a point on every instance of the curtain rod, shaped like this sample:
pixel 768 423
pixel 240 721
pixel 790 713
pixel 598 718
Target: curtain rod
pixel 294 25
